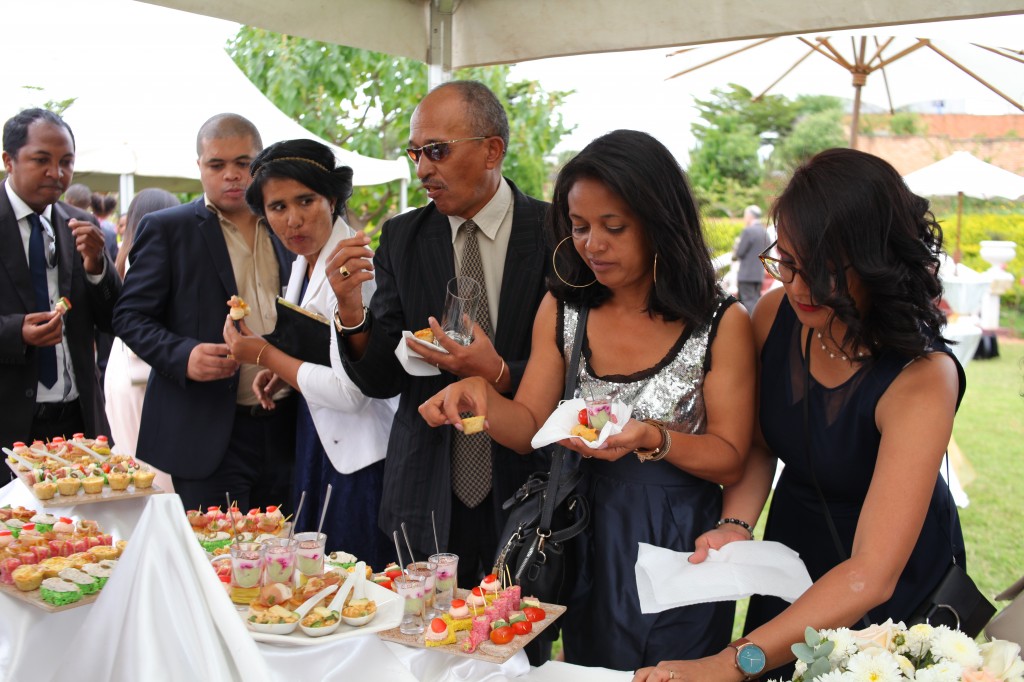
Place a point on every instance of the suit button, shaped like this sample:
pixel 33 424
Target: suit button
pixel 30 393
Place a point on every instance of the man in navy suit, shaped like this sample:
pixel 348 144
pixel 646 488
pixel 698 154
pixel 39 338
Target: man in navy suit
pixel 459 134
pixel 48 381
pixel 201 422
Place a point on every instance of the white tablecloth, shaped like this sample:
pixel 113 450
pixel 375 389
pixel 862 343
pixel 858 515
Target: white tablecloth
pixel 162 618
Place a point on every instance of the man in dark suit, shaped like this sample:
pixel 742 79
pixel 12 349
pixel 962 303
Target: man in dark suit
pixel 749 245
pixel 201 422
pixel 48 381
pixel 459 134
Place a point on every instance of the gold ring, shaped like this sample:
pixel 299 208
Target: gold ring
pixel 671 674
pixel 344 272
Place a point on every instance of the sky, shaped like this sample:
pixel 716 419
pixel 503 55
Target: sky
pixel 618 90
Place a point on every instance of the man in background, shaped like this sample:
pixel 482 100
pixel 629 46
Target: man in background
pixel 752 241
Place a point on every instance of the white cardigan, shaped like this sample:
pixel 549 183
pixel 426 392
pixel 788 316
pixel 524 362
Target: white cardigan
pixel 353 429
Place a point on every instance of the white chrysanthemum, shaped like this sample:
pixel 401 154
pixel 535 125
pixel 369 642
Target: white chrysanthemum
pixel 953 645
pixel 844 646
pixel 874 665
pixel 945 671
pixel 906 666
pixel 917 640
pixel 800 667
pixel 835 676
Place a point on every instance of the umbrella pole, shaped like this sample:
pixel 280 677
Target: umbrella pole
pixel 959 221
pixel 858 82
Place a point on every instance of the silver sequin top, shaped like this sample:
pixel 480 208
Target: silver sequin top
pixel 671 391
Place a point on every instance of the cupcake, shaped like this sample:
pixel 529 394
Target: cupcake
pixel 59 592
pixel 439 633
pixel 54 565
pixel 99 572
pixel 85 582
pixel 79 559
pixel 144 479
pixel 44 522
pixel 118 480
pixel 27 578
pixel 44 490
pixel 69 486
pixel 92 484
pixel 102 552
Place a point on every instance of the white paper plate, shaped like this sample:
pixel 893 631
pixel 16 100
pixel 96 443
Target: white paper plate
pixel 562 420
pixel 389 615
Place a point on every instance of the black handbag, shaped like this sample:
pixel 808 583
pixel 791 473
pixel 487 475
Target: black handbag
pixel 302 334
pixel 535 551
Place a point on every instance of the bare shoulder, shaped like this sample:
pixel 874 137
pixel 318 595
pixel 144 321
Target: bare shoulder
pixel 765 311
pixel 927 384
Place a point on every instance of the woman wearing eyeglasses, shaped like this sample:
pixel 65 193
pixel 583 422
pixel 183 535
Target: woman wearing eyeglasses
pixel 660 336
pixel 341 435
pixel 857 395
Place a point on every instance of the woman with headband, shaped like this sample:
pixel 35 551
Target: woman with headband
pixel 660 336
pixel 342 435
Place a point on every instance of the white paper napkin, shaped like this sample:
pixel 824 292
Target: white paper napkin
pixel 562 420
pixel 665 578
pixel 412 361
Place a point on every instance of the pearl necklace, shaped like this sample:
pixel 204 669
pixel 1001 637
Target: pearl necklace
pixel 837 356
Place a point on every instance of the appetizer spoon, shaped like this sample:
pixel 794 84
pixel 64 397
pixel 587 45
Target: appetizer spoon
pixel 89 451
pixel 288 628
pixel 21 460
pixel 359 592
pixel 47 453
pixel 335 605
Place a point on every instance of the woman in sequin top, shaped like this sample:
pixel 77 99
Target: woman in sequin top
pixel 857 395
pixel 660 336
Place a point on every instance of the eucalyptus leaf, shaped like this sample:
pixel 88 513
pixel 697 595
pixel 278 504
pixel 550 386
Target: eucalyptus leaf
pixel 818 668
pixel 825 649
pixel 804 653
pixel 811 637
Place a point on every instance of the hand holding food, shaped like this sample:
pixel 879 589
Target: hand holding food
pixel 238 308
pixel 62 306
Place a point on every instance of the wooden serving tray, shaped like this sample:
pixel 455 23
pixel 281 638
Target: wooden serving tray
pixel 58 500
pixel 36 600
pixel 486 651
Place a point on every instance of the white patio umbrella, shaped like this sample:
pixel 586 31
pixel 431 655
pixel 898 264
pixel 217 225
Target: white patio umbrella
pixel 450 34
pixel 963 174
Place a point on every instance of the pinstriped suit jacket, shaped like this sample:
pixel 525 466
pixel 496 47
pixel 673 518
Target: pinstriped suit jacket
pixel 413 264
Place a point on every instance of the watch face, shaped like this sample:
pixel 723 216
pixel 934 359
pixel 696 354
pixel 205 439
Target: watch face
pixel 750 659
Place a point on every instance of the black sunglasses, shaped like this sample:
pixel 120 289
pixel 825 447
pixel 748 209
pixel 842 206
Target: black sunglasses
pixel 436 151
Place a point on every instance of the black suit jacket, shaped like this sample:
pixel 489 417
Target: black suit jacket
pixel 92 307
pixel 175 297
pixel 412 267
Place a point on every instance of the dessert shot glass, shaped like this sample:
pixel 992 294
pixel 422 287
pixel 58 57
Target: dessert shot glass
pixel 444 579
pixel 412 590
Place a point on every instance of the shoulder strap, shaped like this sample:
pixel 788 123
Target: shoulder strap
pixel 558 456
pixel 719 314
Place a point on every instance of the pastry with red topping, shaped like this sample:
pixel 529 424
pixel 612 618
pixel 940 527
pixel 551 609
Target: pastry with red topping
pixel 439 633
pixel 458 613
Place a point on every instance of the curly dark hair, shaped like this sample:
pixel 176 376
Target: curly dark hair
pixel 307 161
pixel 851 208
pixel 644 173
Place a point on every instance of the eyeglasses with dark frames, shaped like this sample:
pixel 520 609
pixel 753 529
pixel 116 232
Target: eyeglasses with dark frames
pixel 783 271
pixel 437 151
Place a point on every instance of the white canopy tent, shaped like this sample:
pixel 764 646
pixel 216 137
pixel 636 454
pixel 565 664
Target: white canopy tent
pixel 450 34
pixel 142 94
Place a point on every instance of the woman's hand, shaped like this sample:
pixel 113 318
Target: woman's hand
pixel 264 386
pixel 634 435
pixel 347 267
pixel 718 668
pixel 244 345
pixel 717 539
pixel 468 395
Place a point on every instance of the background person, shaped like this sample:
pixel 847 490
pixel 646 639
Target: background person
pixel 633 251
pixel 342 435
pixel 859 261
pixel 752 241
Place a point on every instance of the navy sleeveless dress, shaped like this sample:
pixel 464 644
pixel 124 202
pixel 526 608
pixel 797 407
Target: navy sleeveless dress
pixel 844 447
pixel 652 502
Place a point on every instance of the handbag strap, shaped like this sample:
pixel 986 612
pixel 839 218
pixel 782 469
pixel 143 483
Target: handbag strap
pixel 558 456
pixel 810 465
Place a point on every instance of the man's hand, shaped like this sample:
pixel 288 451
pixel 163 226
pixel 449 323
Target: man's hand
pixel 478 359
pixel 42 329
pixel 89 243
pixel 209 362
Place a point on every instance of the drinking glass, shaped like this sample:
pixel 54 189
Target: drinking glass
pixel 279 557
pixel 464 297
pixel 427 570
pixel 246 571
pixel 411 589
pixel 444 579
pixel 310 555
pixel 599 411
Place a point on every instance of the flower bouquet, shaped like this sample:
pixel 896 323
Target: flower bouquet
pixel 891 651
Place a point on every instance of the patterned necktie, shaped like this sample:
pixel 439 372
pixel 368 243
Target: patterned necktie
pixel 46 357
pixel 471 455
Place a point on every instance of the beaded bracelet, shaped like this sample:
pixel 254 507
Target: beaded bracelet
pixel 736 522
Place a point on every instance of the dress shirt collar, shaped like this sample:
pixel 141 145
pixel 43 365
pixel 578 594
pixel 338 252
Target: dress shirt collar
pixel 21 209
pixel 490 217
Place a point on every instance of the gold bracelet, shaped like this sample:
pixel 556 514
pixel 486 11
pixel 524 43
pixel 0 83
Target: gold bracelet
pixel 500 374
pixel 260 354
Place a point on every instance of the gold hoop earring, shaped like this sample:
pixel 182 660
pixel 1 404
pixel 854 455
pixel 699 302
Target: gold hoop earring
pixel 554 266
pixel 655 269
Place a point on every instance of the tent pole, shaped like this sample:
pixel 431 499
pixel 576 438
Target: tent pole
pixel 403 195
pixel 439 52
pixel 126 191
pixel 855 119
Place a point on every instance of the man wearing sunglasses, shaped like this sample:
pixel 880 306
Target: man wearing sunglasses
pixel 48 250
pixel 458 137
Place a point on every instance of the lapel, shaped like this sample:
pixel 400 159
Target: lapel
pixel 12 252
pixel 209 228
pixel 435 255
pixel 318 278
pixel 522 270
pixel 65 248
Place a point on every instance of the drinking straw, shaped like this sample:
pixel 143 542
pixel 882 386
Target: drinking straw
pixel 295 519
pixel 433 524
pixel 323 512
pixel 412 559
pixel 398 550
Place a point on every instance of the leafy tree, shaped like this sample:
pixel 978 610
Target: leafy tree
pixel 812 133
pixel 363 100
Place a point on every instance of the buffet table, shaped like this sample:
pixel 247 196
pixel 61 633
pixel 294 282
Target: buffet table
pixel 164 615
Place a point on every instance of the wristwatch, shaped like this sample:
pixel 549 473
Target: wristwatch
pixel 660 451
pixel 349 331
pixel 750 658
